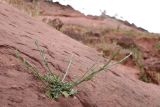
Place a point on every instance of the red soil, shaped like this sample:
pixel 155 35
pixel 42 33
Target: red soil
pixel 116 88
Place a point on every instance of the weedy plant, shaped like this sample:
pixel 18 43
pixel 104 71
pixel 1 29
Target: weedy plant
pixel 32 9
pixel 57 86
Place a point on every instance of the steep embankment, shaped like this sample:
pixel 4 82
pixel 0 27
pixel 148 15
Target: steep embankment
pixel 69 15
pixel 107 34
pixel 115 88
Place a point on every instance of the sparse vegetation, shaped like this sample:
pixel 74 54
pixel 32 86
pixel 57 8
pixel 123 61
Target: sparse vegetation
pixel 36 7
pixel 57 86
pixel 97 37
pixel 138 60
pixel 105 44
pixel 157 46
pixel 56 23
pixel 77 32
pixel 107 50
pixel 144 75
pixel 31 8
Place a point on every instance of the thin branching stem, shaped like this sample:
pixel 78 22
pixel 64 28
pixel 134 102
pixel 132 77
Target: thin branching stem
pixel 31 67
pixel 120 60
pixel 88 71
pixel 45 63
pixel 90 74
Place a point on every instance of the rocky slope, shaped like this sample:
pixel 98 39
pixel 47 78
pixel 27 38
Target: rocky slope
pixel 117 87
pixel 106 34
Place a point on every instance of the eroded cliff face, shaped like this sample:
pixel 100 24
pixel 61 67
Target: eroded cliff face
pixel 117 87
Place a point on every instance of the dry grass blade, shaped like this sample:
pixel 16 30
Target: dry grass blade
pixel 67 70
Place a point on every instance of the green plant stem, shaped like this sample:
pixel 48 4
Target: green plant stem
pixel 121 60
pixel 45 63
pixel 33 69
pixel 89 75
